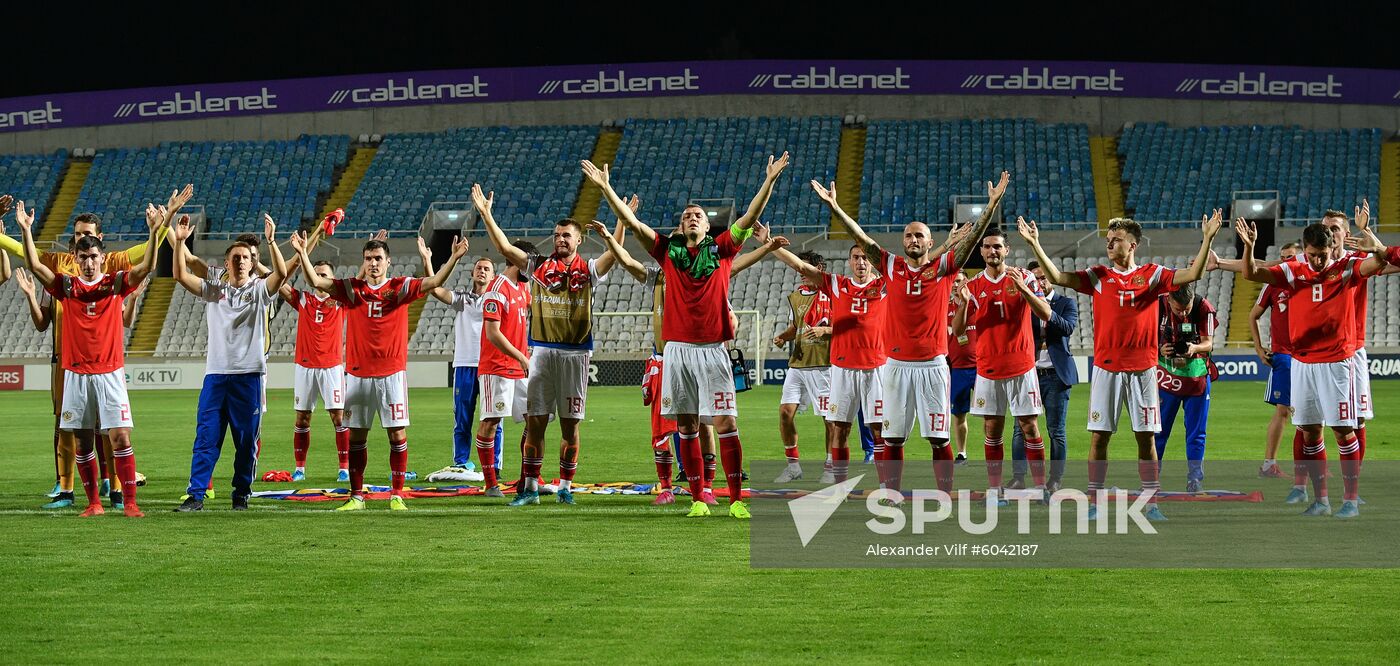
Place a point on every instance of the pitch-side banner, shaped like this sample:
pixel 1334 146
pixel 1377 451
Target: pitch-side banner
pixel 745 77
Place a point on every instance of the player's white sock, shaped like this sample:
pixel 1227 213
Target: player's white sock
pixel 530 485
pixel 301 469
pixel 565 483
pixel 1269 462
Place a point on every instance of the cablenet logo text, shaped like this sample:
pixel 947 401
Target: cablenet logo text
pixel 1047 80
pixel 47 115
pixel 832 79
pixel 411 90
pixel 1260 85
pixel 619 82
pixel 197 104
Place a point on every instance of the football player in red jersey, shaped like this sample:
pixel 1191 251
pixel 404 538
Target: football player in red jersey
pixel 1125 296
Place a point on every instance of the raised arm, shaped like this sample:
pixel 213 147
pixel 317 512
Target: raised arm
pixel 601 177
pixel 1368 242
pixel 867 244
pixel 605 262
pixel 312 279
pixel 4 259
pixel 967 244
pixel 279 265
pixel 618 252
pixel 459 250
pixel 795 263
pixel 760 199
pixel 179 263
pixel 1251 270
pixel 766 244
pixel 1031 234
pixel 1209 227
pixel 483 203
pixel 155 226
pixel 8 245
pixel 25 220
pixel 40 315
pixel 426 254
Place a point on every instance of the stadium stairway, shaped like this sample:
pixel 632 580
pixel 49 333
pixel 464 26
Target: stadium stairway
pixel 1245 293
pixel 1389 205
pixel 1108 178
pixel 60 209
pixel 348 180
pixel 604 152
pixel 850 168
pixel 150 318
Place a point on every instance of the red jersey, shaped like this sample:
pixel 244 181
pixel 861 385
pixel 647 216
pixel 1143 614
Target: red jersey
pixel 376 343
pixel 1358 336
pixel 819 313
pixel 918 295
pixel 320 330
pixel 92 321
pixel 1323 304
pixel 1125 314
pixel 696 308
pixel 857 321
pixel 962 351
pixel 1275 299
pixel 1003 320
pixel 507 302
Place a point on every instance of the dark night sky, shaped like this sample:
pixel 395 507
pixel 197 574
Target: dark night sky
pixel 60 48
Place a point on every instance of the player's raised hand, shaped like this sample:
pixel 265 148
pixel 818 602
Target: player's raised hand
pixel 634 203
pixel 1028 230
pixel 6 202
pixel 598 228
pixel 1211 225
pixel 995 192
pixel 179 198
pixel 483 202
pixel 1366 241
pixel 381 235
pixel 779 242
pixel 25 284
pixel 760 232
pixel 827 194
pixel 298 241
pixel 183 229
pixel 776 166
pixel 1363 214
pixel 423 249
pixel 958 233
pixel 269 228
pixel 24 218
pixel 153 216
pixel 1245 229
pixel 597 176
pixel 459 247
pixel 1212 261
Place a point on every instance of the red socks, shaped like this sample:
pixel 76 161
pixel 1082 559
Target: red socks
pixel 791 453
pixel 731 454
pixel 359 460
pixel 1300 465
pixel 1315 458
pixel 398 465
pixel 88 471
pixel 301 441
pixel 1098 470
pixel 1151 478
pixel 840 463
pixel 664 462
pixel 342 446
pixel 1350 452
pixel 893 473
pixel 1035 455
pixel 486 453
pixel 709 461
pixel 568 462
pixel 943 466
pixel 125 462
pixel 693 463
pixel 992 449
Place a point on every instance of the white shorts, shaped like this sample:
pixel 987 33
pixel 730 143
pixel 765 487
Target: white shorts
pixel 853 390
pixel 91 402
pixel 1363 384
pixel 697 379
pixel 1324 393
pixel 1111 391
pixel 367 396
pixel 328 384
pixel 1020 394
pixel 915 390
pixel 807 387
pixel 558 382
pixel 502 396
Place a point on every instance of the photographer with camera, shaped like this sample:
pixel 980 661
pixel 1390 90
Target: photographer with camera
pixel 1186 323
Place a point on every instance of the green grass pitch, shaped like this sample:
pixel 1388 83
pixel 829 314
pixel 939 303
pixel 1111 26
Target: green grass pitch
pixel 611 579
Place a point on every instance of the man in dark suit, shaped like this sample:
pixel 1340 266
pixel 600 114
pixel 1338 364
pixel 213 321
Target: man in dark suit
pixel 1058 374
